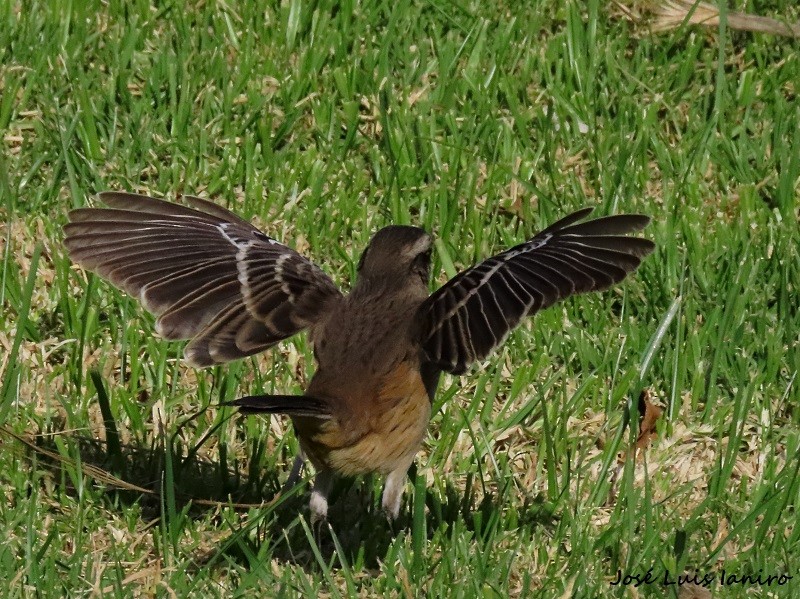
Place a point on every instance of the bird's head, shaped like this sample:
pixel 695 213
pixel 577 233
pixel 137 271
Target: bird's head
pixel 398 253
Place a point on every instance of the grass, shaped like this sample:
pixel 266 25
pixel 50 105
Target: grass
pixel 482 122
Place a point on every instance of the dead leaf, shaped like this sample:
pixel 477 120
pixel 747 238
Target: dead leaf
pixel 649 414
pixel 673 13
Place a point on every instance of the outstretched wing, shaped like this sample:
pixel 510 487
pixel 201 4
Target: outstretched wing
pixel 207 274
pixel 474 311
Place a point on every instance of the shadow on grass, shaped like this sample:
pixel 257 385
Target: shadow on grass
pixel 141 474
pixel 275 526
pixel 363 535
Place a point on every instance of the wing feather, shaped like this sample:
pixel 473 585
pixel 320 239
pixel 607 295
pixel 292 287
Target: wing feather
pixel 207 274
pixel 475 311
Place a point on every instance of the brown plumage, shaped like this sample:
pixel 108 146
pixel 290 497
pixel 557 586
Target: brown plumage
pixel 213 278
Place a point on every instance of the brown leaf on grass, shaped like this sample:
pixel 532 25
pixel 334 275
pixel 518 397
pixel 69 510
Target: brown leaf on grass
pixel 649 414
pixel 671 14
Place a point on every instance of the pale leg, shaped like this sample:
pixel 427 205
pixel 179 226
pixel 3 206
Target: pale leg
pixel 393 490
pixel 323 482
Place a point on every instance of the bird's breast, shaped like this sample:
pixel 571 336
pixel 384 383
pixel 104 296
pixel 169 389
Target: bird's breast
pixel 375 428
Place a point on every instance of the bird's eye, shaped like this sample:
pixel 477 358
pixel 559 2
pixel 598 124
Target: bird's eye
pixel 422 265
pixel 423 259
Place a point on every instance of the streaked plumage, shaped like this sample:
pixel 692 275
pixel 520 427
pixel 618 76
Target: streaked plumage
pixel 213 278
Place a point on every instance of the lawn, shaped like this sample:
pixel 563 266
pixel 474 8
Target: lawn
pixel 481 122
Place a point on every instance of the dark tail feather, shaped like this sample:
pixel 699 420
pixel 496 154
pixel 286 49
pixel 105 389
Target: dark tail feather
pixel 293 405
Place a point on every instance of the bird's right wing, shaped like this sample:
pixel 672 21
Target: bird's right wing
pixel 207 274
pixel 474 311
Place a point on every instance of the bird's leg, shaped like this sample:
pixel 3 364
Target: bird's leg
pixel 323 482
pixel 393 490
pixel 294 475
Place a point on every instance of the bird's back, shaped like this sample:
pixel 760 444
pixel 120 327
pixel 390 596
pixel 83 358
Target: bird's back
pixel 368 369
pixel 362 339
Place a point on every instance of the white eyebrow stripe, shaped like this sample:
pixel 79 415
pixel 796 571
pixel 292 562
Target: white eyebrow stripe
pixel 422 244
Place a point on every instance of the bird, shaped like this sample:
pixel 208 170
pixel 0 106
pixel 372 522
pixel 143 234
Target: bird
pixel 211 277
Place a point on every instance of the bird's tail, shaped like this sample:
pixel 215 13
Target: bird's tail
pixel 292 405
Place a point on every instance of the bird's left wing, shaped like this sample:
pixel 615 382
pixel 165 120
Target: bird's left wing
pixel 207 274
pixel 474 311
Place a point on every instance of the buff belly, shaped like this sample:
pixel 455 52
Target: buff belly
pixel 388 441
